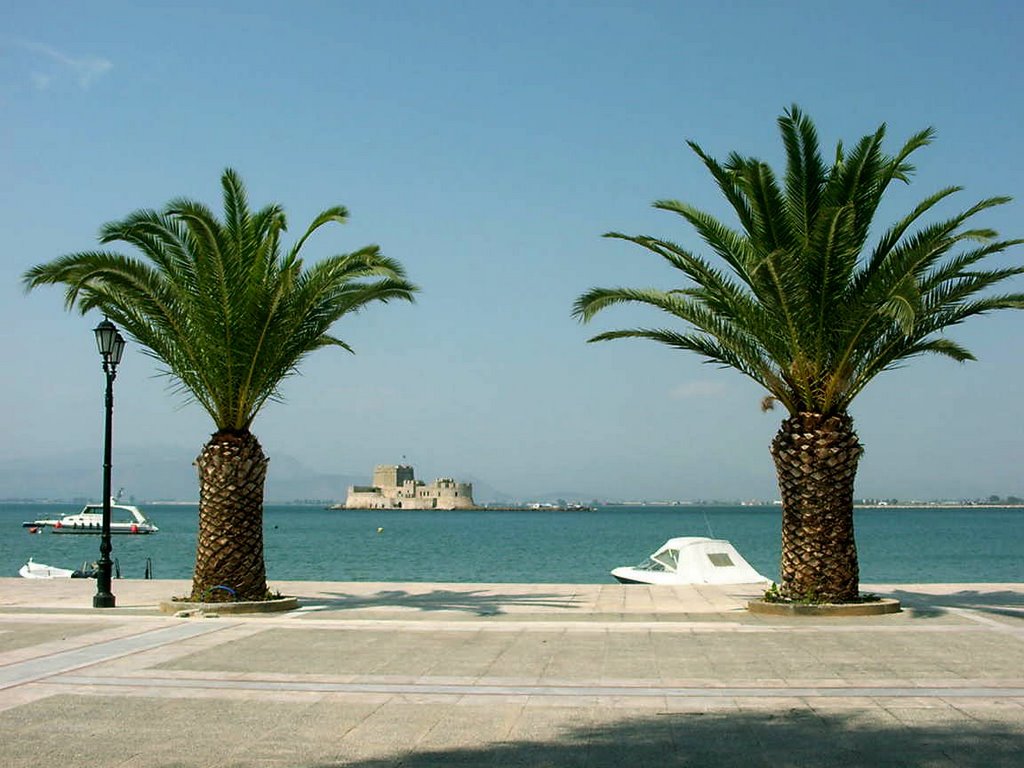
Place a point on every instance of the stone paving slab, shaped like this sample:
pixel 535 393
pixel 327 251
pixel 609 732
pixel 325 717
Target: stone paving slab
pixel 424 675
pixel 416 734
pixel 15 674
pixel 407 598
pixel 17 636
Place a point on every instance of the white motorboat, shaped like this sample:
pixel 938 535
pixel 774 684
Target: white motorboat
pixel 691 560
pixel 34 570
pixel 124 518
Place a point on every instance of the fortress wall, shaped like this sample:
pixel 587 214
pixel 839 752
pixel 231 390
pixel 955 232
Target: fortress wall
pixel 365 498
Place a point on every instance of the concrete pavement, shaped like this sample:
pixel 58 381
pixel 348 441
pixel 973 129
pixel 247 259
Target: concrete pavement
pixel 424 675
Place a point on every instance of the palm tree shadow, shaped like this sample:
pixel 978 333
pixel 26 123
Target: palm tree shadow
pixel 921 605
pixel 797 737
pixel 476 601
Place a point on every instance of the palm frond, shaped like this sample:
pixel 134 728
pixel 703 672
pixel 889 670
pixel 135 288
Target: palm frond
pixel 805 171
pixel 214 301
pixel 804 304
pixel 729 185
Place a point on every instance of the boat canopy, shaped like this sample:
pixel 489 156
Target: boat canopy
pixel 699 560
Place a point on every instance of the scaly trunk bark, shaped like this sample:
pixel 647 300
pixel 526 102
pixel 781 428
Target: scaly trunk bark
pixel 229 549
pixel 816 460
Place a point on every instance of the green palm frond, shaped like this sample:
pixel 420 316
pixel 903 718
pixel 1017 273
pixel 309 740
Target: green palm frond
pixel 337 215
pixel 728 184
pixel 805 171
pixel 226 314
pixel 804 304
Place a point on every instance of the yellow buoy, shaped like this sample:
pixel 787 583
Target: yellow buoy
pixel 380 530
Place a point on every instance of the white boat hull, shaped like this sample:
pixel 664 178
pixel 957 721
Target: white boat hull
pixel 631 575
pixel 34 570
pixel 96 528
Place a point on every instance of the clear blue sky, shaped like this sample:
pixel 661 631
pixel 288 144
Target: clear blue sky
pixel 487 146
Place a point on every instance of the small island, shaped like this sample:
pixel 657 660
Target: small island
pixel 395 487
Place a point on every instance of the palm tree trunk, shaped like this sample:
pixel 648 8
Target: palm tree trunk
pixel 816 461
pixel 229 548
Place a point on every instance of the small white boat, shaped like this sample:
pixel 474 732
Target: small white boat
pixel 124 518
pixel 691 560
pixel 34 570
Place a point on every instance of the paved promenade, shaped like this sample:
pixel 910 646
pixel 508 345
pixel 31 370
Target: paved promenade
pixel 417 675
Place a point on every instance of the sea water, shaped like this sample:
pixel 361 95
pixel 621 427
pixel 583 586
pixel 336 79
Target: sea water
pixel 311 543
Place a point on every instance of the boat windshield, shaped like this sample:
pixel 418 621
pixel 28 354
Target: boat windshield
pixel 669 559
pixel 661 561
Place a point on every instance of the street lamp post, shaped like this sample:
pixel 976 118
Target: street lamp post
pixel 111 347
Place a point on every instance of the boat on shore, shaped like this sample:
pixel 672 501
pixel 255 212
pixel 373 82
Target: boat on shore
pixel 34 570
pixel 124 518
pixel 691 560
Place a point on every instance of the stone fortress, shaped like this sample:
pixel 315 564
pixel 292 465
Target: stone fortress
pixel 396 487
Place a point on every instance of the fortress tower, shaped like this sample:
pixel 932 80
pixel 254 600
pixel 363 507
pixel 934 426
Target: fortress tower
pixel 392 475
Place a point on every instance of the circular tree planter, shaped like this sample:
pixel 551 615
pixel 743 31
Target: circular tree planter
pixel 877 607
pixel 256 606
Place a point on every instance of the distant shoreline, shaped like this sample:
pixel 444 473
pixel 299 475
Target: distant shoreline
pixel 938 506
pixel 569 508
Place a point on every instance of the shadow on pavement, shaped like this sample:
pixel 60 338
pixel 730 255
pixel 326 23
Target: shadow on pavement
pixel 927 606
pixel 476 601
pixel 220 733
pixel 780 740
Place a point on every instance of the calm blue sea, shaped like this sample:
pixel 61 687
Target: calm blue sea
pixel 895 545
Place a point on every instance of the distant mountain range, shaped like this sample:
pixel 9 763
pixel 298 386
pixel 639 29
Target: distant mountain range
pixel 153 474
pixel 167 474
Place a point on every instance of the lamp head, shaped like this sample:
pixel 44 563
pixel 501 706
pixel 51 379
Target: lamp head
pixel 106 334
pixel 118 350
pixel 109 341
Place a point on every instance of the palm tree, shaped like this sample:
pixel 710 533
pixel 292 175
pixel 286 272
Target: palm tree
pixel 812 312
pixel 229 315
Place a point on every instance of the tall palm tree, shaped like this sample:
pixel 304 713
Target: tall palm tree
pixel 812 312
pixel 229 315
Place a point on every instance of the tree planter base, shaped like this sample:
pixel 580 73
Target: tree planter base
pixel 874 608
pixel 256 606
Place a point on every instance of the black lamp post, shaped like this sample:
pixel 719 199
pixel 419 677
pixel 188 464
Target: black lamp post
pixel 111 346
